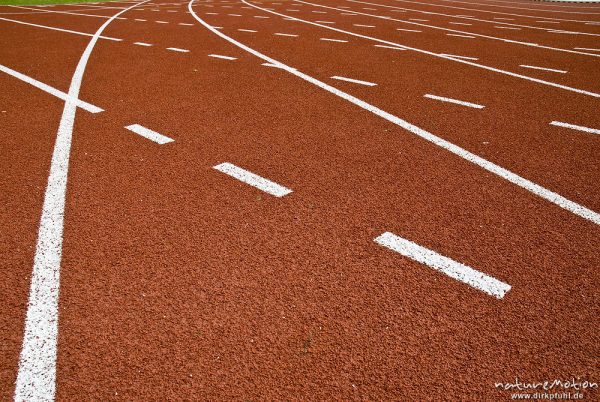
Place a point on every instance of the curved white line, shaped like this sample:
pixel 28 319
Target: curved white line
pixel 470 63
pixel 459 31
pixel 528 185
pixel 36 378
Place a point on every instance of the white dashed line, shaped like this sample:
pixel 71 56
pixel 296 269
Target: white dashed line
pixel 139 19
pixel 574 127
pixel 390 47
pixel 459 57
pixel 334 40
pixel 543 68
pixel 445 265
pixel 149 134
pixel 142 44
pixel 247 30
pixel 417 19
pixel 407 30
pixel 460 23
pixel 325 22
pixel 161 22
pixel 362 25
pixel 367 83
pixel 455 101
pixel 284 34
pixel 461 36
pixel 218 56
pixel 185 23
pixel 234 15
pixel 176 49
pixel 261 16
pixel 510 28
pixel 252 179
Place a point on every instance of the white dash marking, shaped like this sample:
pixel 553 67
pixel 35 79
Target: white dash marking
pixel 574 127
pixel 548 22
pixel 142 44
pixel 218 56
pixel 445 265
pixel 511 28
pixel 543 68
pixel 455 101
pixel 261 16
pixel 176 49
pixel 362 25
pixel 252 179
pixel 149 134
pixel 284 34
pixel 390 47
pixel 161 22
pixel 367 83
pixel 461 36
pixel 587 48
pixel 185 24
pixel 407 30
pixel 334 40
pixel 459 57
pixel 139 19
pixel 247 30
pixel 325 22
pixel 460 23
pixel 417 19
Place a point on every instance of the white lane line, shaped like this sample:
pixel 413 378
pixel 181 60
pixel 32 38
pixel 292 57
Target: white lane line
pixel 149 134
pixel 362 25
pixel 459 57
pixel 390 47
pixel 60 29
pixel 247 30
pixel 574 127
pixel 461 23
pixel 417 19
pixel 36 377
pixel 510 28
pixel 218 56
pixel 51 90
pixel 455 101
pixel 461 36
pixel 587 48
pixel 528 185
pixel 252 179
pixel 467 62
pixel 176 49
pixel 367 83
pixel 185 23
pixel 445 265
pixel 325 22
pixel 543 68
pixel 407 30
pixel 284 34
pixel 334 40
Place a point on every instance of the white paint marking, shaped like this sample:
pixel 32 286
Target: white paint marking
pixel 455 101
pixel 417 19
pixel 445 265
pixel 51 90
pixel 460 23
pixel 326 22
pixel 461 36
pixel 162 22
pixel 548 22
pixel 334 40
pixel 142 44
pixel 36 377
pixel 367 83
pixel 459 57
pixel 407 30
pixel 218 56
pixel 234 15
pixel 247 30
pixel 319 12
pixel 587 48
pixel 60 29
pixel 139 19
pixel 543 68
pixel 252 179
pixel 284 34
pixel 390 47
pixel 510 28
pixel 574 127
pixel 362 25
pixel 261 16
pixel 491 167
pixel 185 23
pixel 176 49
pixel 149 134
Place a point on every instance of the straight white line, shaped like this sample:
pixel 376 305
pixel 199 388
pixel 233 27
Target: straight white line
pixel 51 90
pixel 362 25
pixel 36 377
pixel 162 22
pixel 139 19
pixel 218 56
pixel 176 49
pixel 261 16
pixel 548 22
pixel 456 101
pixel 234 15
pixel 326 22
pixel 61 29
pixel 505 19
pixel 460 57
pixel 543 68
pixel 185 23
pixel 247 30
pixel 587 48
pixel 574 127
pixel 319 12
pixel 461 36
pixel 461 23
pixel 417 19
pixel 149 134
pixel 407 30
pixel 142 44
pixel 390 47
pixel 334 40
pixel 367 83
pixel 445 265
pixel 252 179
pixel 491 167
pixel 467 62
pixel 284 34
pixel 348 14
pixel 510 28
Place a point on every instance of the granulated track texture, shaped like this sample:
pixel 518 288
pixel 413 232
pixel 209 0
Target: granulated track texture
pixel 224 212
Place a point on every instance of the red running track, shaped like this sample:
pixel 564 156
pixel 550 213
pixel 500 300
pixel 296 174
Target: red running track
pixel 467 129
